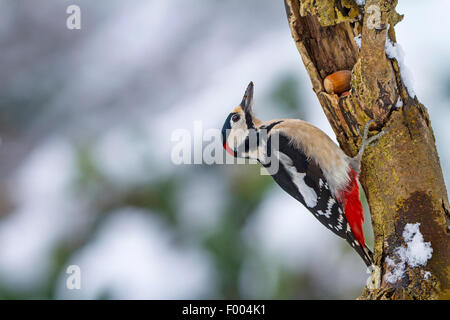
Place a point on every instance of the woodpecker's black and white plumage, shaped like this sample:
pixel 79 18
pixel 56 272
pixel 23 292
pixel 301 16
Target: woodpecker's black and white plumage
pixel 311 167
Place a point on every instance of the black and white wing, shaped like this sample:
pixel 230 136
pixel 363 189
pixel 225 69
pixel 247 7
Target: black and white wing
pixel 303 179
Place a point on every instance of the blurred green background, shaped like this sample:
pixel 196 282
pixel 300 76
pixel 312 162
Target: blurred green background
pixel 86 124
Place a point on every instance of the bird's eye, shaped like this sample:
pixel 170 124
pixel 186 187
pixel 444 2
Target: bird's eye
pixel 235 118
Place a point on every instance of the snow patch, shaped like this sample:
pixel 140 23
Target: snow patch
pixel 396 273
pixel 415 254
pixel 360 2
pixel 357 40
pixel 395 51
pixel 399 103
pixel 418 252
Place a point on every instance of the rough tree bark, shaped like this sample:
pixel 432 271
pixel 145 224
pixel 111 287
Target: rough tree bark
pixel 401 176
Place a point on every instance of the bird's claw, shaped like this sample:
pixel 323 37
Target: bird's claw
pixel 366 129
pixel 372 141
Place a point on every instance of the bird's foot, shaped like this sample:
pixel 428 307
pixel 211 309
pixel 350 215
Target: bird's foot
pixel 366 141
pixel 355 162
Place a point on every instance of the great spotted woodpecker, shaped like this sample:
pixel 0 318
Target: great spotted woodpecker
pixel 312 168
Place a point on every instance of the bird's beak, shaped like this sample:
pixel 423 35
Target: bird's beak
pixel 247 100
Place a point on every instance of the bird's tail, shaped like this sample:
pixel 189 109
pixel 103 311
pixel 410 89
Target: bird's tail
pixel 363 251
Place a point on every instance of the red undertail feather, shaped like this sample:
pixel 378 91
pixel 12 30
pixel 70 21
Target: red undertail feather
pixel 353 208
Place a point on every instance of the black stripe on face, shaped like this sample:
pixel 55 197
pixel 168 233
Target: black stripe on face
pixel 253 131
pixel 253 134
pixel 226 126
pixel 249 120
pixel 270 126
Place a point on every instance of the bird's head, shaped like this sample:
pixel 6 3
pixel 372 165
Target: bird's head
pixel 238 125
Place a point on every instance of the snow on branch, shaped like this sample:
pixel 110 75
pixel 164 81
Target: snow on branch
pixel 415 254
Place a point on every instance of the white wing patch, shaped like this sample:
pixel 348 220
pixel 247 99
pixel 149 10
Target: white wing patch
pixel 326 213
pixel 298 178
pixel 331 202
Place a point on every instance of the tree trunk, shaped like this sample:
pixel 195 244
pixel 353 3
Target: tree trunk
pixel 401 176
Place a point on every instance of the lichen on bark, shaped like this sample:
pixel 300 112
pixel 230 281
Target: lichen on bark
pixel 330 12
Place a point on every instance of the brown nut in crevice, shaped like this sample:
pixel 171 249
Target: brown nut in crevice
pixel 338 82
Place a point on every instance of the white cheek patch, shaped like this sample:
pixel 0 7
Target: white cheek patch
pixel 236 137
pixel 261 153
pixel 298 178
